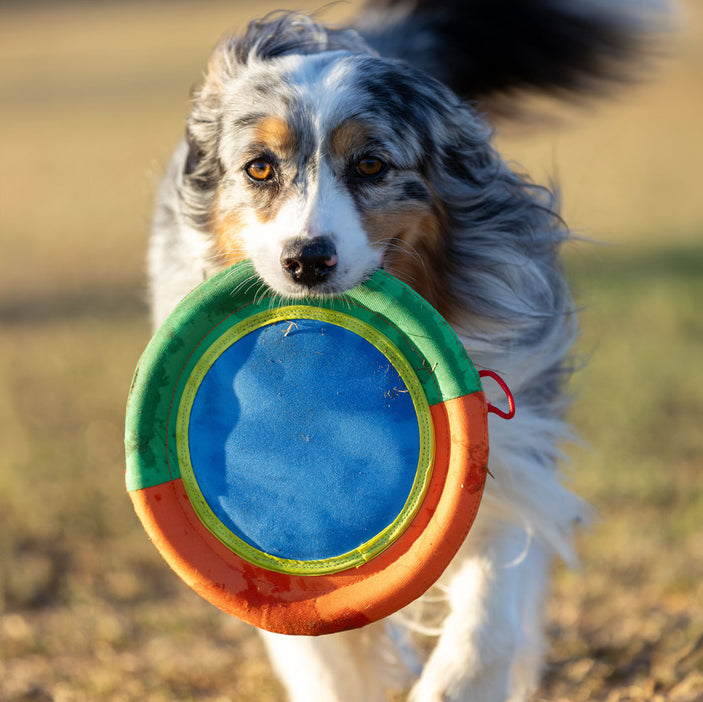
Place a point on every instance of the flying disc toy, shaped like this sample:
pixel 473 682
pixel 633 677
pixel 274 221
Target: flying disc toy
pixel 308 466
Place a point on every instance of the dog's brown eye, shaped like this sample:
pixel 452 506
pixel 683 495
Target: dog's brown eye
pixel 370 166
pixel 260 169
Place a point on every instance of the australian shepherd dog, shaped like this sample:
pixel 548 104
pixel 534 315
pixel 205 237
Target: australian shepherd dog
pixel 322 154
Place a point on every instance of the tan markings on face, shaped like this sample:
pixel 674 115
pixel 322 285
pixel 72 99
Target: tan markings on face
pixel 415 252
pixel 276 134
pixel 273 135
pixel 228 243
pixel 349 138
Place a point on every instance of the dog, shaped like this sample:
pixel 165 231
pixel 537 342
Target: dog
pixel 323 154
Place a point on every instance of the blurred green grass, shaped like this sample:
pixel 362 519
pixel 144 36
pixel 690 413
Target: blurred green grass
pixel 92 99
pixel 640 399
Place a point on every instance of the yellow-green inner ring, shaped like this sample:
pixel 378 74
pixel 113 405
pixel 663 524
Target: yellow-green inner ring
pixel 373 546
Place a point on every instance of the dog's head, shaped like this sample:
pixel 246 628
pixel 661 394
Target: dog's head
pixel 320 161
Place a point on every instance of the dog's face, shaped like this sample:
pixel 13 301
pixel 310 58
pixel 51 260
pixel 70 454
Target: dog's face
pixel 323 170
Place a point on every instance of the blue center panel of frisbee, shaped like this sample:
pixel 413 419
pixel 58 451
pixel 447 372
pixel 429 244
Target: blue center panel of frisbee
pixel 304 440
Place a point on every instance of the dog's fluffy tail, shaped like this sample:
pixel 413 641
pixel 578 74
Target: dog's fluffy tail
pixel 483 49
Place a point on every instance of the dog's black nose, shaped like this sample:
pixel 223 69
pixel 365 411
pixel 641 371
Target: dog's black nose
pixel 309 261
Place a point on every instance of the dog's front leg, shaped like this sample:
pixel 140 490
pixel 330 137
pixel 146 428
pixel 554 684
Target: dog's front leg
pixel 491 645
pixel 345 667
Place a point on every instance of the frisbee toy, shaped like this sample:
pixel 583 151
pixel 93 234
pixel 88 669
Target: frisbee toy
pixel 312 465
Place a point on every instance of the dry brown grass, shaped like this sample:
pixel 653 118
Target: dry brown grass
pixel 92 99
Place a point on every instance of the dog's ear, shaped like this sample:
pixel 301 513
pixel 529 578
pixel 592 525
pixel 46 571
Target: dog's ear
pixel 194 156
pixel 202 168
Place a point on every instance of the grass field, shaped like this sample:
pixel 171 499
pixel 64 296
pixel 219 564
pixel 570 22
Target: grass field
pixel 92 99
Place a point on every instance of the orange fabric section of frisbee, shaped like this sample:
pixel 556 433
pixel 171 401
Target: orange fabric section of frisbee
pixel 312 605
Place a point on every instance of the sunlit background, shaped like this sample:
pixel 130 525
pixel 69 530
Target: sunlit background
pixel 93 96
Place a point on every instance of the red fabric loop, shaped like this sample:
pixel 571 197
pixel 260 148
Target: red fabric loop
pixel 509 395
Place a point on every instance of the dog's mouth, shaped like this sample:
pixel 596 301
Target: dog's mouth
pixel 391 251
pixel 319 290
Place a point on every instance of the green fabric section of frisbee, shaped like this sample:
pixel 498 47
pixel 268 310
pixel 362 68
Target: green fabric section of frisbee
pixel 438 357
pixel 365 551
pixel 420 333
